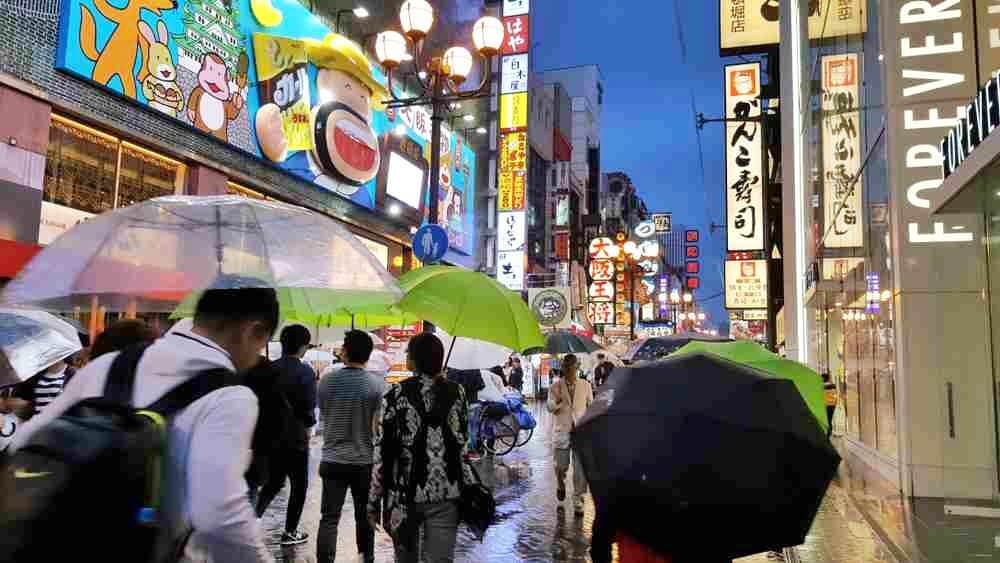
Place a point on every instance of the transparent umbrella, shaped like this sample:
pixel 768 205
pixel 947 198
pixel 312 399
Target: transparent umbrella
pixel 149 256
pixel 34 340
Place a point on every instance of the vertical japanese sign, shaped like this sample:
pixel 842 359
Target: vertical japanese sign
pixel 842 182
pixel 744 158
pixel 601 292
pixel 512 170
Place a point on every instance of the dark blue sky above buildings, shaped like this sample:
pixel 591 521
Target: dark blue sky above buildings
pixel 648 123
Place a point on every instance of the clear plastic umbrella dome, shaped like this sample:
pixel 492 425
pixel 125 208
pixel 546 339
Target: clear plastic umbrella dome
pixel 150 255
pixel 34 340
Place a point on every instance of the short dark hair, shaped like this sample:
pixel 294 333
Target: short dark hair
pixel 235 299
pixel 600 355
pixel 570 359
pixel 293 338
pixel 427 353
pixel 121 335
pixel 358 346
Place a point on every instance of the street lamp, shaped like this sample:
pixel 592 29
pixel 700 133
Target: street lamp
pixel 438 77
pixel 688 298
pixel 360 13
pixel 701 316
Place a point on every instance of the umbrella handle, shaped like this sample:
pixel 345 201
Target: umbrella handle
pixel 450 348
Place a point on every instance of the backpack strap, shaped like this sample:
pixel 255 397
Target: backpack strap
pixel 193 389
pixel 121 376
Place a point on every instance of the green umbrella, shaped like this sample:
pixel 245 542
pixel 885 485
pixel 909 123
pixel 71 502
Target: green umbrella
pixel 311 306
pixel 470 304
pixel 807 381
pixel 367 317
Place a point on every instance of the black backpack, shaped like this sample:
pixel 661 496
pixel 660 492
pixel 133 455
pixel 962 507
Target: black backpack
pixel 88 483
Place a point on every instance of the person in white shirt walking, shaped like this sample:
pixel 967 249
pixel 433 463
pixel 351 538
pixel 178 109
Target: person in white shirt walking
pixel 205 494
pixel 568 399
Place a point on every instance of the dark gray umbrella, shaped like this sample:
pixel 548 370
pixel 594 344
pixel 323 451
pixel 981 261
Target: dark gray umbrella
pixel 566 342
pixel 697 443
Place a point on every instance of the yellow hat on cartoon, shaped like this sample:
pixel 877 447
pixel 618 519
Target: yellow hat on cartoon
pixel 337 52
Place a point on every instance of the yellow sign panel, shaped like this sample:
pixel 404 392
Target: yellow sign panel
pixel 746 24
pixel 513 171
pixel 513 112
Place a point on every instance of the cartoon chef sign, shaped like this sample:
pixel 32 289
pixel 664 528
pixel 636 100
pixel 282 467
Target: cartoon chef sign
pixel 345 149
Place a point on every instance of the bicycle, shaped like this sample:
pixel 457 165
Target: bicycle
pixel 501 428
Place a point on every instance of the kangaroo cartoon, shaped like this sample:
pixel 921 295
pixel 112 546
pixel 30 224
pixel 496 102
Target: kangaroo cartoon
pixel 160 83
pixel 117 57
pixel 212 104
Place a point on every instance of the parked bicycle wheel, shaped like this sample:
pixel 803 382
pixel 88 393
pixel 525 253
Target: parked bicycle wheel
pixel 524 436
pixel 498 436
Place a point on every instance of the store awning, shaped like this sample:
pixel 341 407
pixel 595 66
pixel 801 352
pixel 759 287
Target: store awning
pixel 14 255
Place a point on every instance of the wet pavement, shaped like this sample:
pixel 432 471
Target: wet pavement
pixel 531 528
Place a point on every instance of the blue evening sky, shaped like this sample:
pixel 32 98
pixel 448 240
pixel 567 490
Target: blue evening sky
pixel 648 123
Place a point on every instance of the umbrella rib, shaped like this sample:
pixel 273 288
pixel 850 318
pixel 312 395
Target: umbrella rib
pixel 267 255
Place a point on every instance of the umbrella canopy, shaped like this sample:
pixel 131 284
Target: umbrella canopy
pixel 807 381
pixel 566 342
pixel 34 340
pixel 703 443
pixel 469 353
pixel 470 304
pixel 150 255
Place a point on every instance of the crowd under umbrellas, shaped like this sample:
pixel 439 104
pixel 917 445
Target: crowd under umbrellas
pixel 161 255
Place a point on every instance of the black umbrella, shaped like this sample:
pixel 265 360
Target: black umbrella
pixel 696 447
pixel 566 342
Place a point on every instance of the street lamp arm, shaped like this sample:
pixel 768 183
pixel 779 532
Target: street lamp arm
pixel 487 76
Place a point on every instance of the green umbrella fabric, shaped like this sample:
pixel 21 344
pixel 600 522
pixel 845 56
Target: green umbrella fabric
pixel 470 304
pixel 807 381
pixel 311 305
pixel 368 317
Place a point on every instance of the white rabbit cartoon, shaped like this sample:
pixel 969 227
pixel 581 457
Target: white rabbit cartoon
pixel 159 77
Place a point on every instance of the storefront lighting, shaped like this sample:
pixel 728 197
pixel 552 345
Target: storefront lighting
pixel 630 247
pixel 399 130
pixel 397 261
pixel 469 117
pixel 675 296
pixel 886 295
pixel 416 17
pixel 361 12
pixel 413 230
pixel 422 75
pixel 838 304
pixel 714 332
pixel 390 48
pixel 457 63
pixel 395 210
pixel 688 297
pixel 481 130
pixel 701 316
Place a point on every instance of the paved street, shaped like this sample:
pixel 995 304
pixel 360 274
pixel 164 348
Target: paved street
pixel 530 527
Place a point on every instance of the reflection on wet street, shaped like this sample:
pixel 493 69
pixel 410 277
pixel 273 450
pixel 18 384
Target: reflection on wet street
pixel 529 527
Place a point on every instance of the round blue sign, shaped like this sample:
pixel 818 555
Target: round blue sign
pixel 430 243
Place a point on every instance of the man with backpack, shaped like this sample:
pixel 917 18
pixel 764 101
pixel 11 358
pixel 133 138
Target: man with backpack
pixel 297 382
pixel 143 455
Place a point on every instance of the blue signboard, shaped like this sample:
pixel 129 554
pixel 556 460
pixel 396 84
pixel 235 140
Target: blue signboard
pixel 268 77
pixel 430 243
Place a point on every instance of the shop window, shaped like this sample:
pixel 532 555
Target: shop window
pixel 91 171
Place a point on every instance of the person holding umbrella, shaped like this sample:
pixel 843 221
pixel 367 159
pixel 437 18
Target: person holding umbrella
pixel 569 399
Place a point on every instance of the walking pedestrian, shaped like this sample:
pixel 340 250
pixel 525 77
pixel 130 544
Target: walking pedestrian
pixel 209 439
pixel 516 377
pixel 41 389
pixel 603 370
pixel 568 399
pixel 274 424
pixel 349 399
pixel 419 470
pixel 830 398
pixel 297 382
pixel 121 335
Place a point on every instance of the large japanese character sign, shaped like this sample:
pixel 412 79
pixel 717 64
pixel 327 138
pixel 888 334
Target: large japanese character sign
pixel 603 248
pixel 842 184
pixel 517 39
pixel 744 154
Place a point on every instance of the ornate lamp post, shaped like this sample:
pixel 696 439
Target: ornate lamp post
pixel 439 77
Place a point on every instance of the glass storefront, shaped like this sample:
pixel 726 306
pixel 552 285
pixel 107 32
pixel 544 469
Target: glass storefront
pixel 850 322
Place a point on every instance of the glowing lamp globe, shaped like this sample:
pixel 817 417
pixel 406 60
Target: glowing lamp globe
pixel 457 64
pixel 390 48
pixel 416 17
pixel 487 34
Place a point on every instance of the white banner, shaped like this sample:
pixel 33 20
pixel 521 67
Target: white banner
pixel 746 284
pixel 515 7
pixel 57 219
pixel 744 155
pixel 514 73
pixel 511 231
pixel 842 185
pixel 510 269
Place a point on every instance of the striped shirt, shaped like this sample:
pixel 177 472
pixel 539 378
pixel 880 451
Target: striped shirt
pixel 47 388
pixel 349 400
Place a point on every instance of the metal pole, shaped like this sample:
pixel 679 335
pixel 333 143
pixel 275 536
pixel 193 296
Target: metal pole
pixel 772 333
pixel 631 306
pixel 437 116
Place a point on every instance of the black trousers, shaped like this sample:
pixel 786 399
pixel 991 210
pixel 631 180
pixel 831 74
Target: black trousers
pixel 293 465
pixel 337 479
pixel 829 419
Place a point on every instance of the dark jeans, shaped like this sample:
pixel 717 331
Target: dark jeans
pixel 293 465
pixel 337 478
pixel 829 419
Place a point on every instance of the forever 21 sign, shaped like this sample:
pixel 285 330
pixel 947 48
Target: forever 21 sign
pixel 982 116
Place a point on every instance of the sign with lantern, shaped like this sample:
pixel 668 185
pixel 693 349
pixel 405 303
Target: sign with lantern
pixel 601 270
pixel 600 314
pixel 602 248
pixel 601 291
pixel 645 230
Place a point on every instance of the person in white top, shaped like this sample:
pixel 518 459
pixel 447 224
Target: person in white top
pixel 209 441
pixel 569 398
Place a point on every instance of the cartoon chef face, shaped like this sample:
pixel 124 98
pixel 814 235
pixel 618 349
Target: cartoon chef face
pixel 345 143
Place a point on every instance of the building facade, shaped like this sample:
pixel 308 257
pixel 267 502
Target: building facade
pixel 77 142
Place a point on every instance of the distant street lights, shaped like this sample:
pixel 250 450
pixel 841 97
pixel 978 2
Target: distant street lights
pixel 438 77
pixel 360 13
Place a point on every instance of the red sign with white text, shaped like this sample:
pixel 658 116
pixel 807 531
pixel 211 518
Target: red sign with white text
pixel 517 37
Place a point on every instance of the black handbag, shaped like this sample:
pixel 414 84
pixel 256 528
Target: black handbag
pixel 476 506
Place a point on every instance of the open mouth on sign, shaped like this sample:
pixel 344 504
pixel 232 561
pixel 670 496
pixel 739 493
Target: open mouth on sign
pixel 355 144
